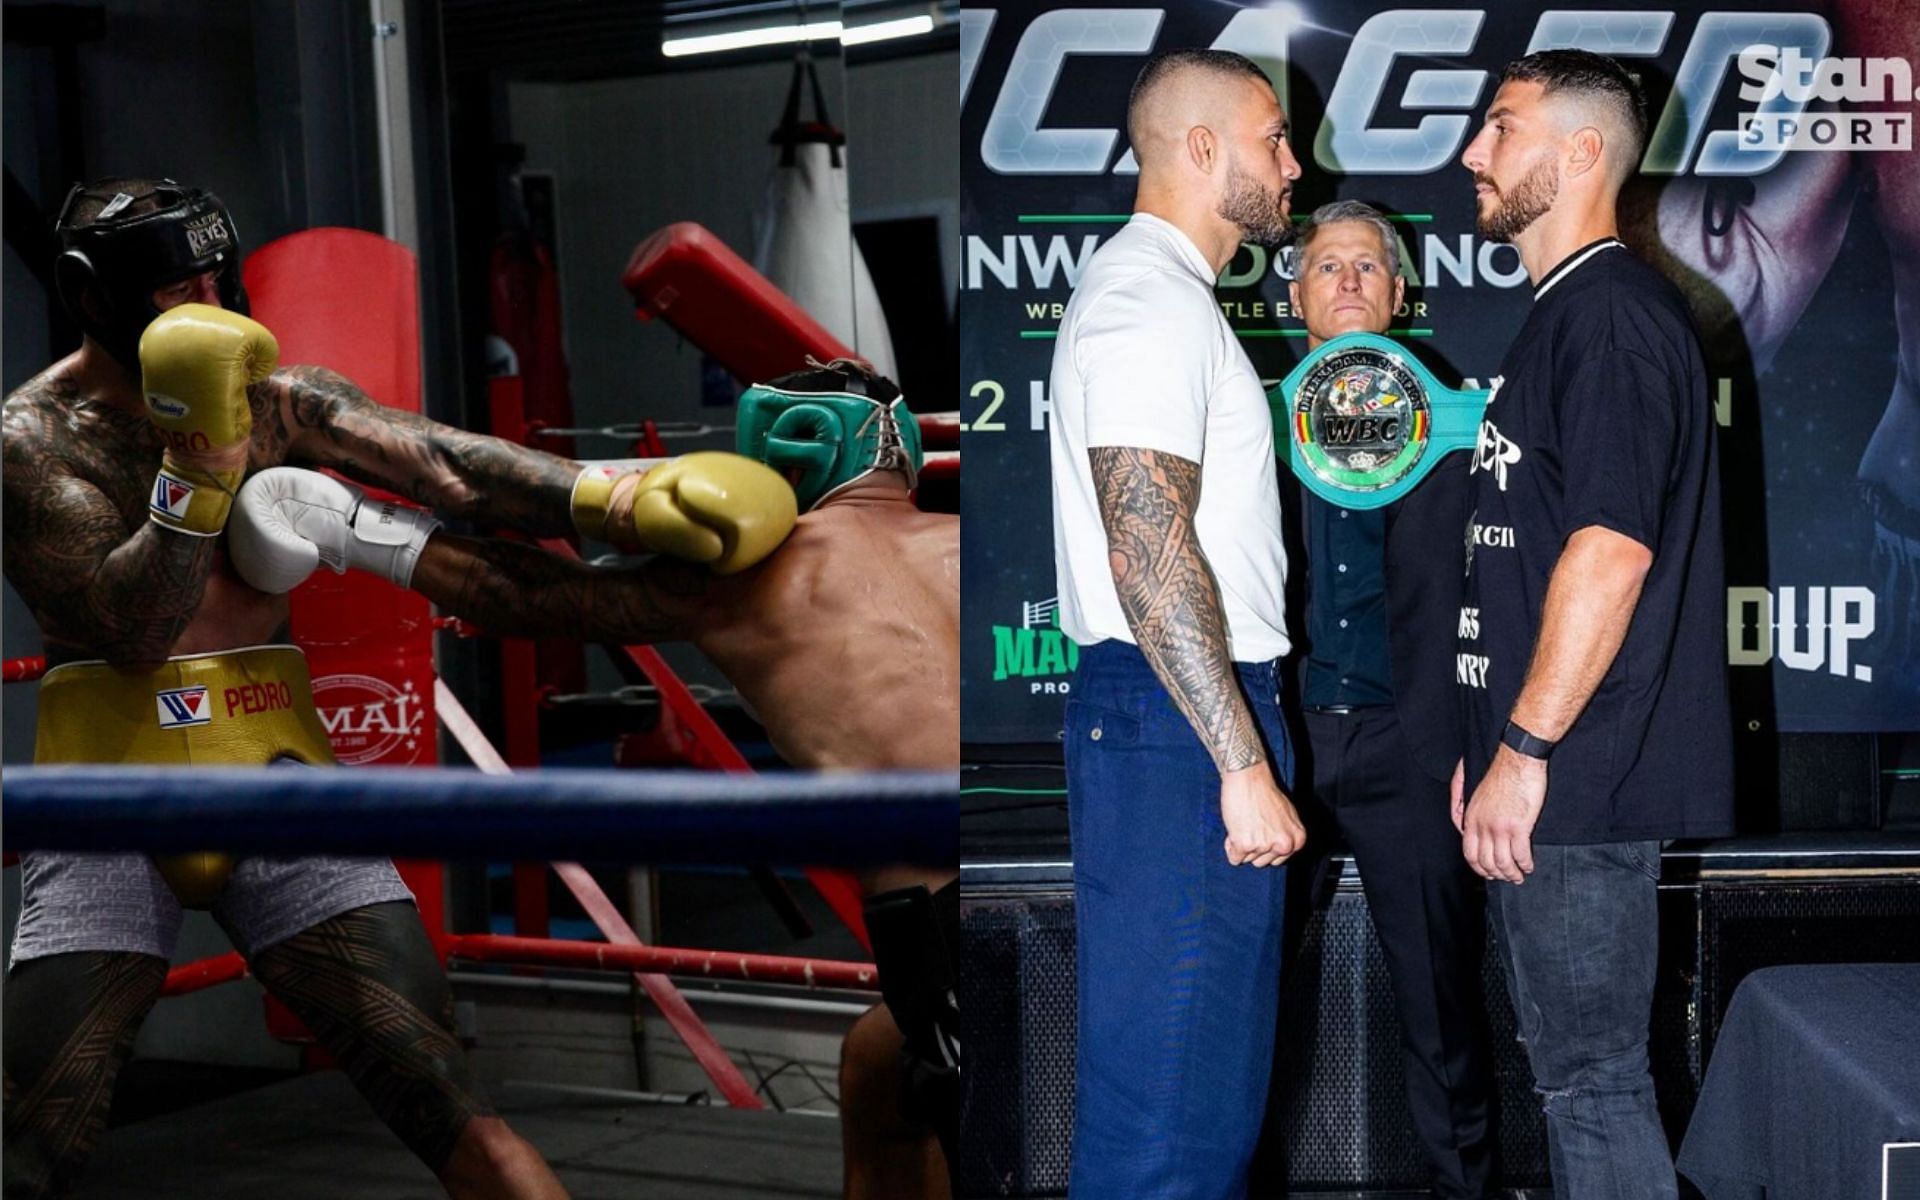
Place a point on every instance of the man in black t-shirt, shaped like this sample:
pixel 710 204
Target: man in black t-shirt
pixel 1593 626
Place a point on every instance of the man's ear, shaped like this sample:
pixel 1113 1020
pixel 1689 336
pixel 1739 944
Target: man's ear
pixel 1203 148
pixel 1586 151
pixel 1399 291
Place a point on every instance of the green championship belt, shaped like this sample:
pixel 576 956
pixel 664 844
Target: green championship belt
pixel 1366 421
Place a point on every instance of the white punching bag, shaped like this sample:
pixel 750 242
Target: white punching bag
pixel 804 241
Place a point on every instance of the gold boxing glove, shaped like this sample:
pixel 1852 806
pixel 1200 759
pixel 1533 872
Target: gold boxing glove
pixel 196 362
pixel 710 507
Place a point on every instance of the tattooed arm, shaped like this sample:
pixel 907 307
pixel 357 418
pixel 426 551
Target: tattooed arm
pixel 329 422
pixel 126 598
pixel 512 589
pixel 1169 595
pixel 1172 604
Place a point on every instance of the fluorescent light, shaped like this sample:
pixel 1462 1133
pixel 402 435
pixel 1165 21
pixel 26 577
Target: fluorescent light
pixel 741 39
pixel 879 31
pixel 776 35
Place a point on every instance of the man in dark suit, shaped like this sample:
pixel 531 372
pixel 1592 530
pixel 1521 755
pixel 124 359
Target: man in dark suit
pixel 1383 719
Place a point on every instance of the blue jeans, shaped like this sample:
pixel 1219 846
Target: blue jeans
pixel 1579 940
pixel 1178 952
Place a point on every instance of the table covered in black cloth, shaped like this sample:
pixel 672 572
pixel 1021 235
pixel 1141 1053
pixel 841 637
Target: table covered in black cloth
pixel 1815 1068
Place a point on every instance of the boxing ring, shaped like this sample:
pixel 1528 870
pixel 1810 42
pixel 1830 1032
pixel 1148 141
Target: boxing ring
pixel 849 819
pixel 724 813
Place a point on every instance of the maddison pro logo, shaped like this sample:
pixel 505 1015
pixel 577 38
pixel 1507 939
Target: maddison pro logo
pixel 1374 123
pixel 1035 650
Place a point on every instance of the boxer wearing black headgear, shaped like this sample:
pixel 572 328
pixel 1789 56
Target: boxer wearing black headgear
pixel 124 239
pixel 120 460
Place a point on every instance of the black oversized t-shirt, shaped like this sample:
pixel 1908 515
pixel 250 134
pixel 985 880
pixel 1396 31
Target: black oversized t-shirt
pixel 1601 416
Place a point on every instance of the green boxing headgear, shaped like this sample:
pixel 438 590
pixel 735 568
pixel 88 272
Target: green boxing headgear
pixel 833 436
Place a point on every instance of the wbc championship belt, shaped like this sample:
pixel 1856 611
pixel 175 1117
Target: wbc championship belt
pixel 1366 421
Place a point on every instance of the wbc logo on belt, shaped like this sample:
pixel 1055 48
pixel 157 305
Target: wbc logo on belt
pixel 180 708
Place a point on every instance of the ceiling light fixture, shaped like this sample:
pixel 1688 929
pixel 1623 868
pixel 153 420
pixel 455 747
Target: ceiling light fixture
pixel 880 31
pixel 743 39
pixel 814 31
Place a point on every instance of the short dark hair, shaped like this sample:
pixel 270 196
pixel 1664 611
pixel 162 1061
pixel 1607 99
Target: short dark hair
pixel 840 375
pixel 1170 62
pixel 1589 76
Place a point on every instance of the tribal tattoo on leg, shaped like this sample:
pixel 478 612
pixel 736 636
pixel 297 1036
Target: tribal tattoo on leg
pixel 70 1025
pixel 368 985
pixel 1170 597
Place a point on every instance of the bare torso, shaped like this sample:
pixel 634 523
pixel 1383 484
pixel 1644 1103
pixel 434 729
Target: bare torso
pixel 846 643
pixel 92 432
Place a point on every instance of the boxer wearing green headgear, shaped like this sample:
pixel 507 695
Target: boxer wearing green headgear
pixel 832 424
pixel 845 644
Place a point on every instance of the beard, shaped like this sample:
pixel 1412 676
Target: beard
pixel 1260 214
pixel 1520 206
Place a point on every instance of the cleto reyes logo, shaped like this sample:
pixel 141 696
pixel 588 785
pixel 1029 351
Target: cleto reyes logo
pixel 370 720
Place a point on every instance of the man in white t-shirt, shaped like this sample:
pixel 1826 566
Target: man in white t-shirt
pixel 1167 541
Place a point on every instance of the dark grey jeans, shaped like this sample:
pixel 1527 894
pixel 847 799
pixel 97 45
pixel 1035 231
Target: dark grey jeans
pixel 1580 941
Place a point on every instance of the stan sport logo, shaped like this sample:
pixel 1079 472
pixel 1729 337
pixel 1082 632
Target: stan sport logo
pixel 1784 81
pixel 1035 650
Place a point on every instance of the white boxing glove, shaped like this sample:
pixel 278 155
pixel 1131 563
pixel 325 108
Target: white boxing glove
pixel 287 521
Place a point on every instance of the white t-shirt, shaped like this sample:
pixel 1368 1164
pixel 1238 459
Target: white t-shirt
pixel 1146 359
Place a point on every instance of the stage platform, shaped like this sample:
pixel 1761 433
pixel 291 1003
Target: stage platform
pixel 1338 1122
pixel 314 1138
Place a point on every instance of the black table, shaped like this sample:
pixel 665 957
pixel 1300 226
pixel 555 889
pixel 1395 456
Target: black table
pixel 1815 1069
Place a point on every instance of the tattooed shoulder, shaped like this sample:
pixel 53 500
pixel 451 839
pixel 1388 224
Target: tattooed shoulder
pixel 35 424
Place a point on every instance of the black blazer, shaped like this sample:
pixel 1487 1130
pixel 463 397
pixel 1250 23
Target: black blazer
pixel 1426 580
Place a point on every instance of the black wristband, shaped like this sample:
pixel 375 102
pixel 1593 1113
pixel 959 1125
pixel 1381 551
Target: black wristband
pixel 1520 741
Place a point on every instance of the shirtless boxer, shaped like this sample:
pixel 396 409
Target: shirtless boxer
pixel 845 643
pixel 114 507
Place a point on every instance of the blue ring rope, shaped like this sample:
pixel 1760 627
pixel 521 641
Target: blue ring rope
pixel 826 819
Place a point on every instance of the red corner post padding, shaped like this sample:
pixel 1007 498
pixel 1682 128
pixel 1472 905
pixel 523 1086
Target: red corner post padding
pixel 349 301
pixel 693 281
pixel 688 277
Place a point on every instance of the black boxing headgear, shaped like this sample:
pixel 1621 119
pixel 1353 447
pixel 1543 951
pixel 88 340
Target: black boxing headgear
pixel 130 245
